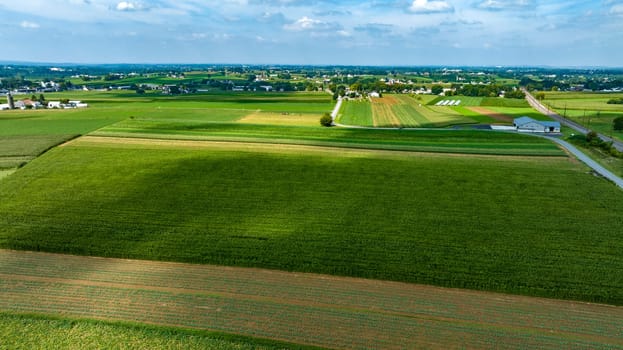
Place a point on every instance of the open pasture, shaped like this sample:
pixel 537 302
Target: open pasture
pixel 319 310
pixel 366 214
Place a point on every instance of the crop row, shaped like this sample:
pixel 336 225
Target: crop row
pixel 479 142
pixel 432 315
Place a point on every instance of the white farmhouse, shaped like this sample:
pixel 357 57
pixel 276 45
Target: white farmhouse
pixel 54 104
pixel 527 124
pixel 374 94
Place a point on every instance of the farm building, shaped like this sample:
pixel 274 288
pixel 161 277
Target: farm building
pixel 527 124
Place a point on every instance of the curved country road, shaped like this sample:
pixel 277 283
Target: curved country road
pixel 588 161
pixel 573 125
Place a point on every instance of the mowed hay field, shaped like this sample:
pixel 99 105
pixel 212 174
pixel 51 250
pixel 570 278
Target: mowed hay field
pixel 538 226
pixel 310 309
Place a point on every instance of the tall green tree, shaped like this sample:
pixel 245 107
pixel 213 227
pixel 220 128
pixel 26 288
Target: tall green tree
pixel 436 89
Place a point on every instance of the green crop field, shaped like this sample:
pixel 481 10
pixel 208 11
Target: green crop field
pixel 589 109
pixel 361 213
pixel 356 113
pixel 25 331
pixel 400 111
pixel 445 141
pixel 504 102
pixel 26 134
pixel 516 112
pixel 253 180
pixel 16 151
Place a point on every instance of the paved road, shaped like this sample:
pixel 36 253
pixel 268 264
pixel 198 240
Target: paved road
pixel 588 161
pixel 573 125
pixel 336 110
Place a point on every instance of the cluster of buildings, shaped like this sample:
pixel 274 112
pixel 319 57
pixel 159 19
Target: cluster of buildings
pixel 30 104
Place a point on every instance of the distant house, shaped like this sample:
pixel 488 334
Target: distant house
pixel 374 94
pixel 527 124
pixel 78 104
pixel 54 104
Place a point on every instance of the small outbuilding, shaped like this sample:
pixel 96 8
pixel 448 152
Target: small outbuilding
pixel 527 124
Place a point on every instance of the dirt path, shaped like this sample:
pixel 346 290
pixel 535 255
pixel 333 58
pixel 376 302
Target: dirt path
pixel 495 115
pixel 302 308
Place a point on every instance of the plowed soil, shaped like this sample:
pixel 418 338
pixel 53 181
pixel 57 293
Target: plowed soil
pixel 495 115
pixel 310 309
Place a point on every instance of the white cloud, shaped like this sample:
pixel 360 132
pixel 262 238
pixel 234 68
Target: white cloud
pixel 434 6
pixel 303 23
pixel 496 5
pixel 306 23
pixel 617 10
pixel 29 25
pixel 128 6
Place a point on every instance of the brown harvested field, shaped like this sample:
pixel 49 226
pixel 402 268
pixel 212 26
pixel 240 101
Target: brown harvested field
pixel 274 118
pixel 495 115
pixel 311 309
pixel 382 113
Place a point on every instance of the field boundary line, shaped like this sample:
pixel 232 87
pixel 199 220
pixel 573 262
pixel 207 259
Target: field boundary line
pixel 250 144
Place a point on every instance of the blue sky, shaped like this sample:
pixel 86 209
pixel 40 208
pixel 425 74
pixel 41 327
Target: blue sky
pixel 377 32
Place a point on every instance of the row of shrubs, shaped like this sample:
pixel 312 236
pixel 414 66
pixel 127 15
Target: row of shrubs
pixel 592 140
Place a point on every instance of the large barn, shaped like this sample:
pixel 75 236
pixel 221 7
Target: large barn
pixel 527 124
